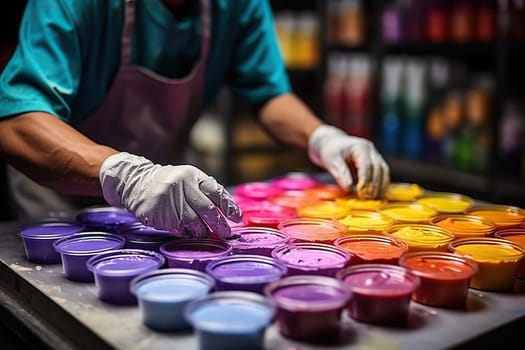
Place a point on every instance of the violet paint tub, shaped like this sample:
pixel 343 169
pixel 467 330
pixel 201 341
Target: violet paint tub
pixel 194 253
pixel 115 269
pixel 139 236
pixel 256 240
pixel 105 218
pixel 75 250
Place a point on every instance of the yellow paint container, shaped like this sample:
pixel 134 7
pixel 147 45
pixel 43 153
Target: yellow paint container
pixel 361 204
pixel 498 260
pixel 403 192
pixel 323 210
pixel 422 237
pixel 465 225
pixel 445 202
pixel 364 221
pixel 408 212
pixel 504 216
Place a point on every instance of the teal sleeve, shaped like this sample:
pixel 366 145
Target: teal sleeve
pixel 257 71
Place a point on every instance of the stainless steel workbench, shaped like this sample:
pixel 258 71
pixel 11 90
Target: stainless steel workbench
pixel 64 314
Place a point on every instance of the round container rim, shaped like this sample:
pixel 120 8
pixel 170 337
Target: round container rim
pixel 225 247
pixel 88 236
pixel 440 255
pixel 337 226
pixel 61 223
pixel 452 246
pixel 448 233
pixel 190 274
pixel 92 262
pixel 306 245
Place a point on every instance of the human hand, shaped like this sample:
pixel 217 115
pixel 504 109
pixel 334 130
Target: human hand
pixel 338 152
pixel 181 199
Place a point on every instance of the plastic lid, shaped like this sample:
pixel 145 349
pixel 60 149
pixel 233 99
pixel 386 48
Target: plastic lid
pixel 257 237
pixel 88 243
pixel 421 234
pixel 195 248
pixel 257 190
pixel 487 249
pixel 246 269
pixel 360 204
pixel 50 229
pixel 308 293
pixel 412 212
pixel 294 198
pixel 311 256
pixel 439 265
pixel 516 235
pixel 105 217
pixel 444 202
pixel 268 214
pixel 363 220
pixel 125 262
pixel 295 181
pixel 464 225
pixel 326 191
pixel 172 284
pixel 147 234
pixel 403 192
pixel 501 215
pixel 312 229
pixel 371 247
pixel 323 210
pixel 378 279
pixel 230 312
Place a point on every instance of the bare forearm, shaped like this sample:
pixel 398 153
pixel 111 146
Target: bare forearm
pixel 289 120
pixel 53 153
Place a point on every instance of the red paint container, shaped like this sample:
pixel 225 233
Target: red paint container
pixel 309 307
pixel 372 248
pixel 312 229
pixel 445 277
pixel 381 293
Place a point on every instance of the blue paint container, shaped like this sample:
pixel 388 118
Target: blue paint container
pixel 163 294
pixel 230 320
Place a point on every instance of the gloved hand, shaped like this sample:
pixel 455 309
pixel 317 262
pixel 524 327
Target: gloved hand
pixel 181 199
pixel 339 153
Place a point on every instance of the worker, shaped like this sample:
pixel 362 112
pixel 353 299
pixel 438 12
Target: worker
pixel 99 97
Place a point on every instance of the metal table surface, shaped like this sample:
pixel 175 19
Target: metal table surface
pixel 68 315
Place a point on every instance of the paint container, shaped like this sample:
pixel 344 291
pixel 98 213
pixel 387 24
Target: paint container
pixel 446 203
pixel 257 190
pixel 381 293
pixel 245 272
pixel 194 253
pixel 422 237
pixel 267 215
pixel 360 204
pixel 403 192
pixel 309 308
pixel 163 294
pixel 411 213
pixel 294 181
pixel 115 269
pixel 256 240
pixel 465 225
pixel 444 277
pixel 107 219
pixel 323 210
pixel 139 236
pixel 75 250
pixel 39 237
pixel 517 236
pixel 372 248
pixel 366 222
pixel 230 320
pixel 294 199
pixel 312 258
pixel 498 261
pixel 312 229
pixel 326 192
pixel 504 216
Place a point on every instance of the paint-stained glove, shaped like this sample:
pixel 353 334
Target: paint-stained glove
pixel 181 199
pixel 340 154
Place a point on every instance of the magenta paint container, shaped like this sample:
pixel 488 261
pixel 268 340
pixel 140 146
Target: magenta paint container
pixel 295 181
pixel 163 294
pixel 230 320
pixel 256 240
pixel 108 219
pixel 309 308
pixel 311 258
pixel 257 190
pixel 139 236
pixel 115 269
pixel 194 253
pixel 38 239
pixel 381 293
pixel 249 273
pixel 268 215
pixel 75 250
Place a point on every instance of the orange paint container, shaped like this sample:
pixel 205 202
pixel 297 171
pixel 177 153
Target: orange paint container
pixel 312 230
pixel 516 235
pixel 422 237
pixel 504 216
pixel 465 225
pixel 326 191
pixel 445 202
pixel 498 260
pixel 365 221
pixel 444 277
pixel 294 199
pixel 370 248
pixel 408 212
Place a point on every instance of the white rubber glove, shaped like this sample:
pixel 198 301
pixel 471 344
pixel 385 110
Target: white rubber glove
pixel 181 199
pixel 337 152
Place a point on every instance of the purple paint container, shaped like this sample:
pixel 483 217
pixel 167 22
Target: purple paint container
pixel 38 239
pixel 309 307
pixel 245 272
pixel 256 240
pixel 311 258
pixel 115 269
pixel 194 253
pixel 139 236
pixel 75 250
pixel 107 219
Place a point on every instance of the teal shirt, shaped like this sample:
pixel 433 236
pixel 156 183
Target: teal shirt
pixel 69 53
